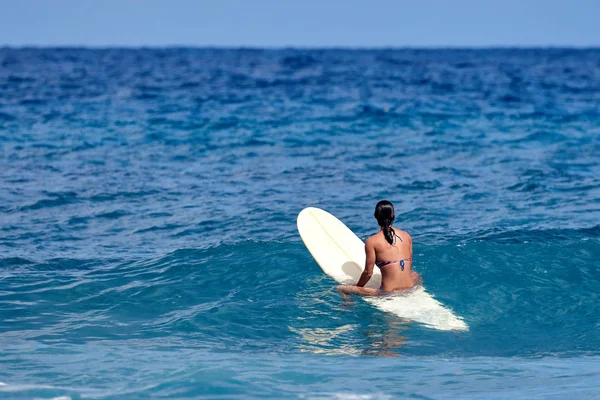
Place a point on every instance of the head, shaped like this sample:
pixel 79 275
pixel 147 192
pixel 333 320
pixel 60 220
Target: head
pixel 385 215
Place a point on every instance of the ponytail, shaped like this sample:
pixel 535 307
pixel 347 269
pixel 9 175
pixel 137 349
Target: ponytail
pixel 385 215
pixel 389 233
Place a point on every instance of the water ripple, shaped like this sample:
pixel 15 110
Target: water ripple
pixel 148 200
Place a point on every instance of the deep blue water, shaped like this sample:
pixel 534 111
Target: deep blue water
pixel 148 201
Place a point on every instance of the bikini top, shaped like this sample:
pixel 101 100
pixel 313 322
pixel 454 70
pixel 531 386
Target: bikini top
pixel 380 263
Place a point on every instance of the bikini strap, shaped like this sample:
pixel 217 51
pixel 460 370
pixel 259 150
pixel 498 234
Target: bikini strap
pixel 397 236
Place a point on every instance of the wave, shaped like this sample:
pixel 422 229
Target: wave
pixel 257 295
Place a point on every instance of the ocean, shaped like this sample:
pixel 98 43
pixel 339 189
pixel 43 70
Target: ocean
pixel 148 203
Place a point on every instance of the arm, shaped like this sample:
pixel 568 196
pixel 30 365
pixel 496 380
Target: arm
pixel 410 244
pixel 369 263
pixel 416 277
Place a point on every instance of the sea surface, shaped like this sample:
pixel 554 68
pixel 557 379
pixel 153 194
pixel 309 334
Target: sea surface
pixel 148 203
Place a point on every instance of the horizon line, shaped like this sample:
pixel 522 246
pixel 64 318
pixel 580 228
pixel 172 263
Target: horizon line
pixel 302 47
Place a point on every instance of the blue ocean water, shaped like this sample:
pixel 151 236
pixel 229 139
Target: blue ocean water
pixel 148 197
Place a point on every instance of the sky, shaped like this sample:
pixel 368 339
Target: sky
pixel 300 23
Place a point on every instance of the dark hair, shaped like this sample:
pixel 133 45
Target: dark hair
pixel 385 215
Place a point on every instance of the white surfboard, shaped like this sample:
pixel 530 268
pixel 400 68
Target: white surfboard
pixel 341 255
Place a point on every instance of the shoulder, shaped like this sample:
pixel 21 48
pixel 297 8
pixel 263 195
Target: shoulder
pixel 404 235
pixel 371 240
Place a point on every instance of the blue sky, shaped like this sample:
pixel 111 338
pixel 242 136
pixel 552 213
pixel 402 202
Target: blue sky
pixel 301 23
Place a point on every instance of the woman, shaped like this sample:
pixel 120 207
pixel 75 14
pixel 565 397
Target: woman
pixel 391 251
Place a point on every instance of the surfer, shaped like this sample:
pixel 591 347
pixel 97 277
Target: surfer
pixel 391 251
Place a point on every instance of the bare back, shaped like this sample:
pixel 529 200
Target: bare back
pixel 394 260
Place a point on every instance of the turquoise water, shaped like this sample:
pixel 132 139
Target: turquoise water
pixel 148 201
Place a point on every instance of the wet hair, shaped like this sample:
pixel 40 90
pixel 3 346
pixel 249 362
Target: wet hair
pixel 385 215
